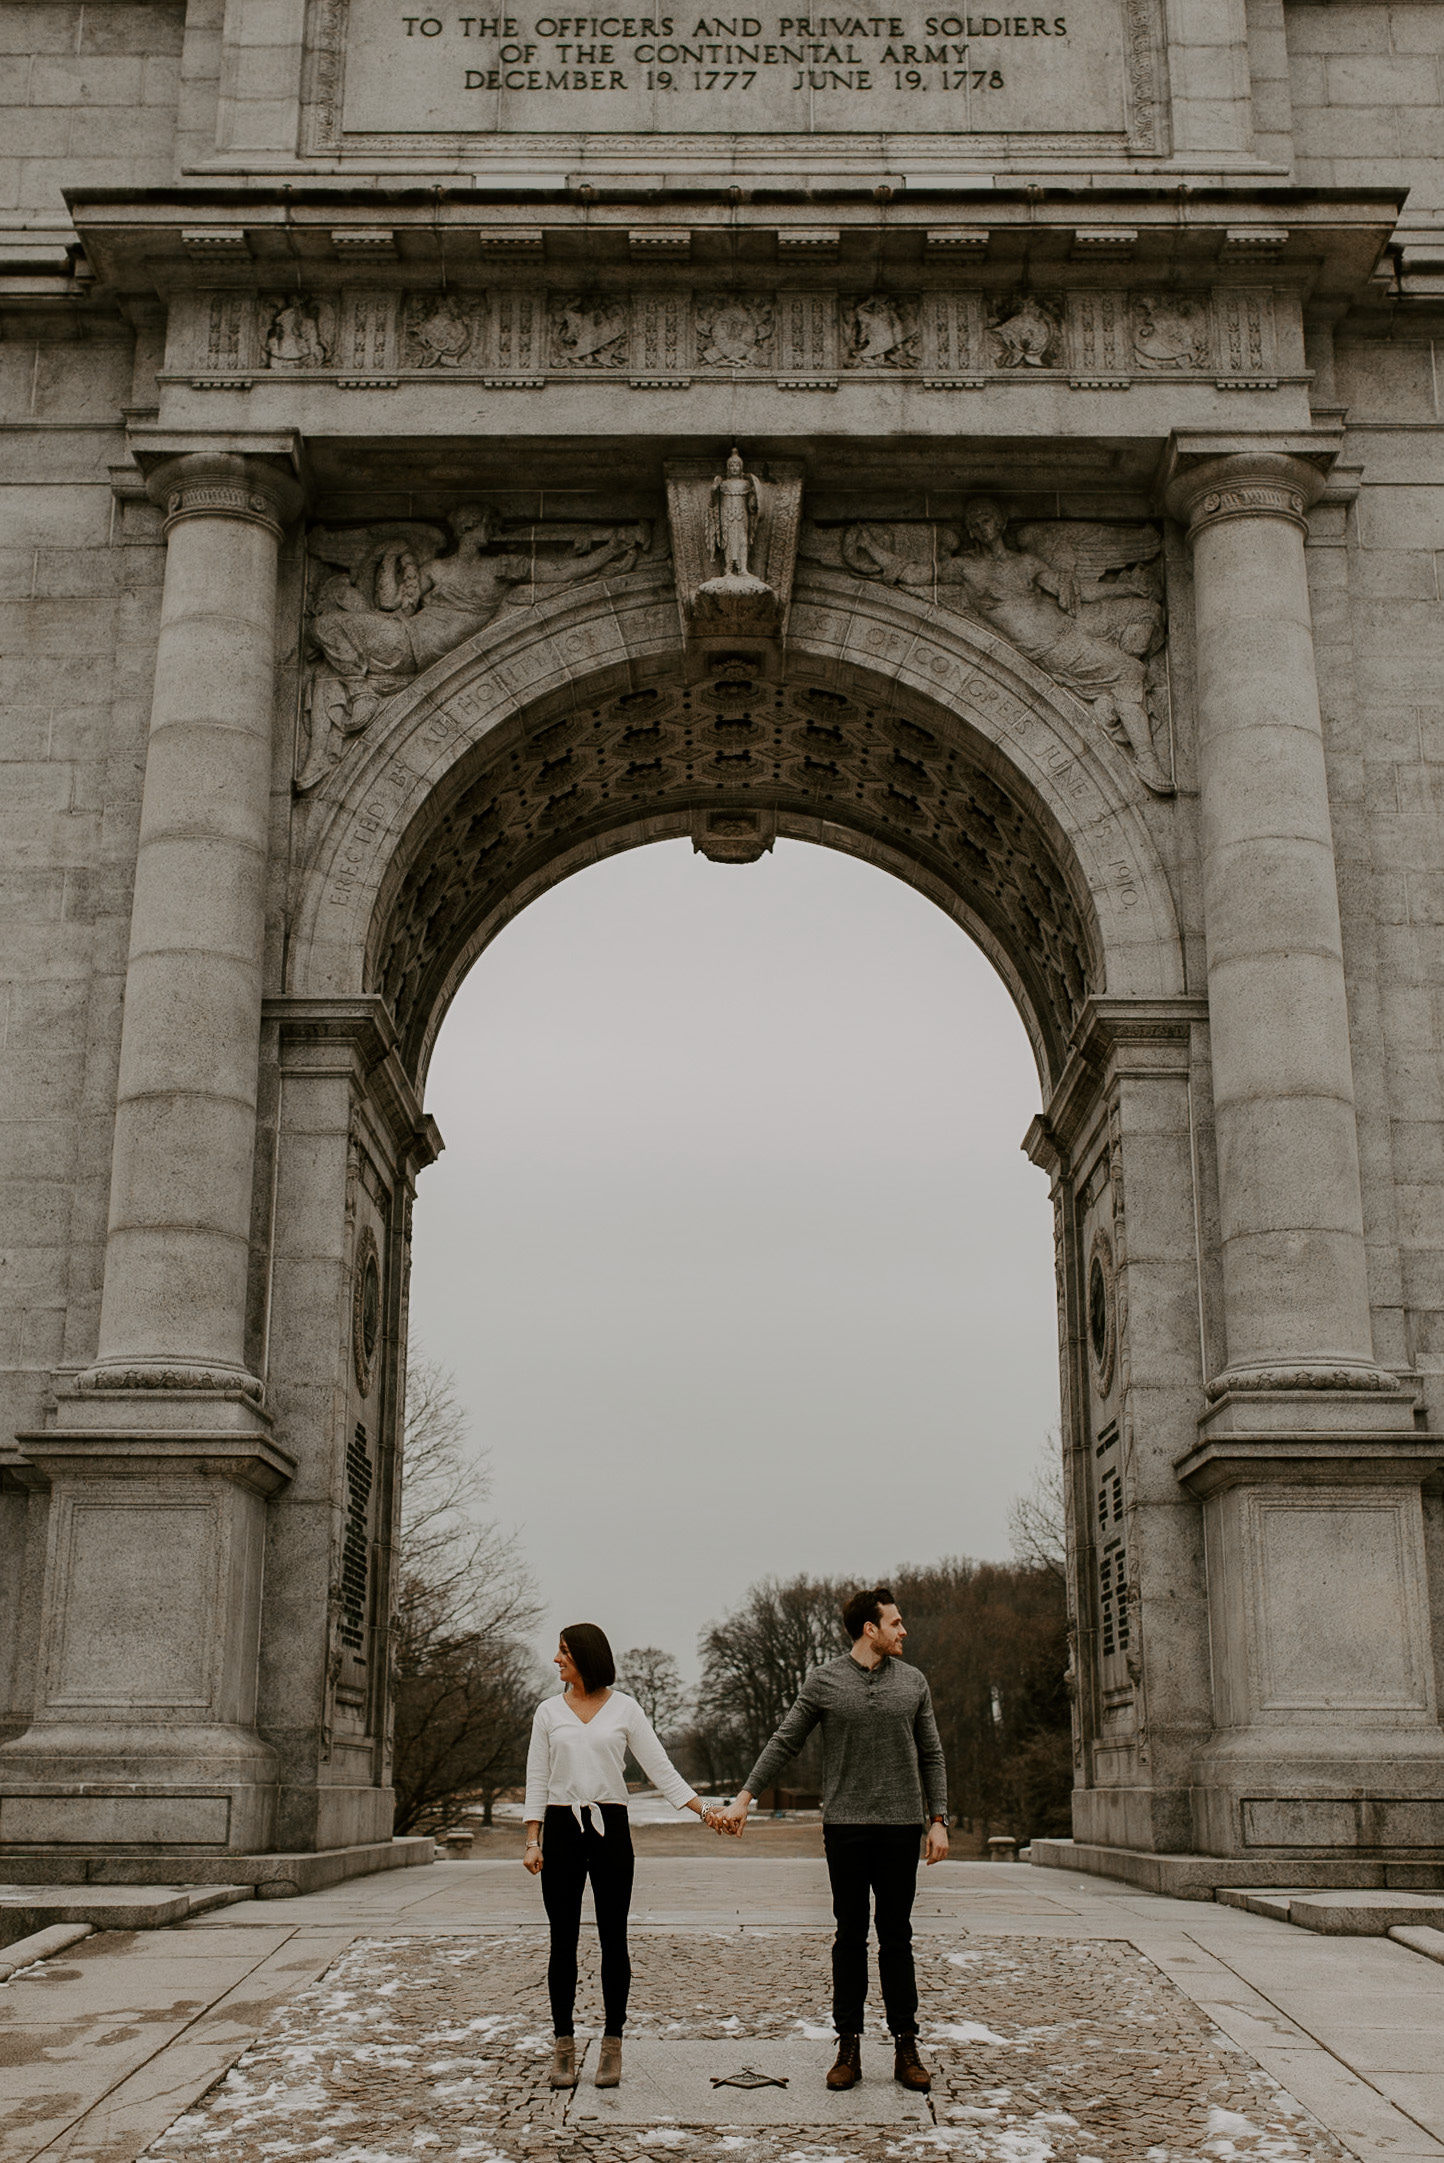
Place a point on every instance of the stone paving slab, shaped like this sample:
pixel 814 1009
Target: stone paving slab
pixel 100 2049
pixel 672 2083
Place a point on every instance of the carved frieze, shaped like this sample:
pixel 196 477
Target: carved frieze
pixel 880 330
pixel 520 336
pixel 293 336
pixel 734 330
pixel 589 331
pixel 1170 332
pixel 442 329
pixel 1027 330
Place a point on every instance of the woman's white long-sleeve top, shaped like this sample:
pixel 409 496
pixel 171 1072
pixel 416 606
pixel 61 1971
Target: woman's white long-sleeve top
pixel 575 1762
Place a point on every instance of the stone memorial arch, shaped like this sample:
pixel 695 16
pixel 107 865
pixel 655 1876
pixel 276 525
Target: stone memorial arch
pixel 485 452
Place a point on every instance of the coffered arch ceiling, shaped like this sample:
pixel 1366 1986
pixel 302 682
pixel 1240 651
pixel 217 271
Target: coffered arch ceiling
pixel 836 756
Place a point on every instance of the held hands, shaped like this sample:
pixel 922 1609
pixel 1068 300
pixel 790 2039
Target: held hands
pixel 734 1818
pixel 936 1850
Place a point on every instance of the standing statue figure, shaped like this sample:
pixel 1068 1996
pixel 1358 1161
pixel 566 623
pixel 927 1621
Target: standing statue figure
pixel 1035 605
pixel 732 520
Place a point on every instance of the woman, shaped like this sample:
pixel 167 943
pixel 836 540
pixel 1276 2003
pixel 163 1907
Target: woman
pixel 575 1788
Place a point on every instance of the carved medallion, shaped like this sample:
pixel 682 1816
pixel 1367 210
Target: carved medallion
pixel 1027 330
pixel 365 1309
pixel 1170 332
pixel 589 331
pixel 879 331
pixel 733 332
pixel 440 330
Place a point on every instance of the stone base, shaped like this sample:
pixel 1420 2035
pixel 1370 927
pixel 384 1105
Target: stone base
pixel 274 1877
pixel 1198 1877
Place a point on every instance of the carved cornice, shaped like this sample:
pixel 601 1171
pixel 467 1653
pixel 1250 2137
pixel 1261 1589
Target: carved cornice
pixel 1150 1037
pixel 357 1037
pixel 253 1461
pixel 1209 1468
pixel 1245 484
pixel 224 484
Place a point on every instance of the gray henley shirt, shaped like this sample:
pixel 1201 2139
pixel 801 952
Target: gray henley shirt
pixel 880 1746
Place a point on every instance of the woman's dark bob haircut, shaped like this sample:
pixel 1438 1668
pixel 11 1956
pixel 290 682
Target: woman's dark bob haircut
pixel 591 1656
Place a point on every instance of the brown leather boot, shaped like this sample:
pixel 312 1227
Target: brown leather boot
pixel 907 2066
pixel 848 2070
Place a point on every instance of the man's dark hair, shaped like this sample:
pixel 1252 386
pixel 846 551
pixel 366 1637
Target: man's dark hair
pixel 862 1608
pixel 591 1655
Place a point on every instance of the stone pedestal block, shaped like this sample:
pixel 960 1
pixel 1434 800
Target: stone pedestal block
pixel 144 1734
pixel 1327 1740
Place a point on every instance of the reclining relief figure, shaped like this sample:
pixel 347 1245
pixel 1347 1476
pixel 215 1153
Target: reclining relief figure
pixel 399 603
pixel 1081 600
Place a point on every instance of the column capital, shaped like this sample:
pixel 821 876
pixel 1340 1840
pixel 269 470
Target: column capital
pixel 224 484
pixel 1244 484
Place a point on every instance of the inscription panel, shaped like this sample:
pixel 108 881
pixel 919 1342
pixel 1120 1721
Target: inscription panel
pixel 923 70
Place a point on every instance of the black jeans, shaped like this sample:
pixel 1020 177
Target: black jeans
pixel 880 1861
pixel 571 1855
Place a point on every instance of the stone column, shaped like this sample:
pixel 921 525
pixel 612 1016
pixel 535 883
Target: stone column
pixel 1327 1744
pixel 1295 1289
pixel 173 1308
pixel 159 1459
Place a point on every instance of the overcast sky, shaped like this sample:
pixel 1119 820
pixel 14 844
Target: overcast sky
pixel 733 1250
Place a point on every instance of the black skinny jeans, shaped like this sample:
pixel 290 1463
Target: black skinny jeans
pixel 570 1855
pixel 877 1862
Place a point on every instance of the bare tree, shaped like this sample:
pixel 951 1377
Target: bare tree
pixel 1037 1526
pixel 463 1678
pixel 654 1679
pixel 754 1663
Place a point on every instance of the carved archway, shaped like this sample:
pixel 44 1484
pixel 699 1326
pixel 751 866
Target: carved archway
pixel 582 727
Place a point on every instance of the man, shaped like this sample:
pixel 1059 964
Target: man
pixel 880 1755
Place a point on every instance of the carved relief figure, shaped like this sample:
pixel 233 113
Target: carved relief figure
pixel 1171 332
pixel 438 331
pixel 1081 600
pixel 294 339
pixel 879 332
pixel 589 333
pixel 1026 332
pixel 732 520
pixel 733 333
pixel 399 604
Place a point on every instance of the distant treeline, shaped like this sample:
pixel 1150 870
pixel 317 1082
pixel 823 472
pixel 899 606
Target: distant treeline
pixel 991 1637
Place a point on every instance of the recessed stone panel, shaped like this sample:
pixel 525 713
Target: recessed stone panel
pixel 918 70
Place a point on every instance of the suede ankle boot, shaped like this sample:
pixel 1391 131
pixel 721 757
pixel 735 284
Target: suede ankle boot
pixel 564 2062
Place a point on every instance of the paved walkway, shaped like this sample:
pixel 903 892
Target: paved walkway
pixel 1069 2020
